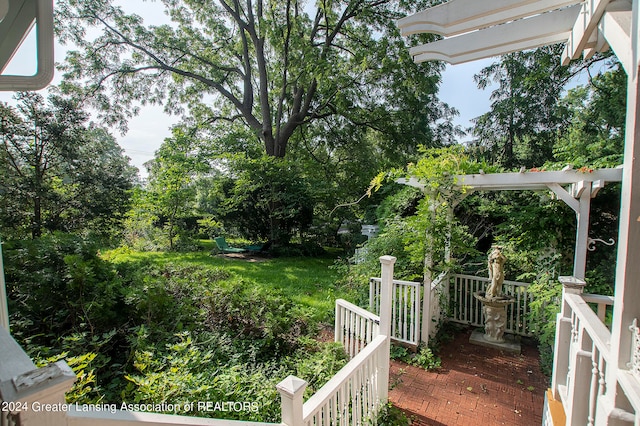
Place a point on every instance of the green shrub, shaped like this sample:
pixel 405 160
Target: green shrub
pixel 59 284
pixel 390 415
pixel 424 358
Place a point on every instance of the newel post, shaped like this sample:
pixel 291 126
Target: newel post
pixel 561 352
pixel 386 298
pixel 291 392
pixel 41 394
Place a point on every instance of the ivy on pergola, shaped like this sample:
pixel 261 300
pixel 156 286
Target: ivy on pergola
pixel 575 187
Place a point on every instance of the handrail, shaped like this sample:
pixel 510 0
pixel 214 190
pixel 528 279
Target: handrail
pixel 442 276
pixel 598 298
pixel 377 279
pixel 601 303
pixel 132 418
pixel 14 359
pixel 597 331
pixel 405 311
pixel 353 368
pixel 505 282
pixel 354 327
pixel 358 310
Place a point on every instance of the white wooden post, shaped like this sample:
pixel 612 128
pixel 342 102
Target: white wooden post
pixel 425 329
pixel 582 230
pixel 291 392
pixel 627 285
pixel 42 392
pixel 4 309
pixel 386 295
pixel 570 285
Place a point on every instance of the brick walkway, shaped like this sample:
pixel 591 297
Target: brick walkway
pixel 475 386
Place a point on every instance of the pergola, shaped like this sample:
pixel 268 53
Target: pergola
pixel 576 188
pixel 479 29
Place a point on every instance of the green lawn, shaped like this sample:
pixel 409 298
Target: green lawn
pixel 309 282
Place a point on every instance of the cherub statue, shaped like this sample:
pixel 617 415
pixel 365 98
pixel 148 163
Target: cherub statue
pixel 496 263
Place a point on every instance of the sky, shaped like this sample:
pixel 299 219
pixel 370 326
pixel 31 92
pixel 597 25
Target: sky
pixel 148 130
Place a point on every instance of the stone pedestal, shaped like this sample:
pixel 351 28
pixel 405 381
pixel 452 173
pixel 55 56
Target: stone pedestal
pixel 508 345
pixel 495 323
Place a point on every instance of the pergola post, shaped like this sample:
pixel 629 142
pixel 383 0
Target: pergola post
pixel 582 230
pixel 627 285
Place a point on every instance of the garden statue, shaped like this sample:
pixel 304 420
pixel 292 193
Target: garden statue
pixel 494 304
pixel 496 263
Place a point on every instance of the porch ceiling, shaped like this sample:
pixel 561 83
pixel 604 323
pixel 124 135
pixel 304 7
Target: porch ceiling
pixel 17 18
pixel 475 29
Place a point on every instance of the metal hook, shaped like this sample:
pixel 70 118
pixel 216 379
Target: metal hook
pixel 591 243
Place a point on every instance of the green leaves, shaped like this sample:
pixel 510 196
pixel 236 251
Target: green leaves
pixel 275 67
pixel 60 172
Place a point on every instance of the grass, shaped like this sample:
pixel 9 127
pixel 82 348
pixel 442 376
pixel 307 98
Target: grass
pixel 309 282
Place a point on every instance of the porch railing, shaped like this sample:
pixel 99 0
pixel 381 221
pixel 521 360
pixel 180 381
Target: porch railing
pixel 582 367
pixel 405 309
pixel 466 309
pixel 351 397
pixel 354 327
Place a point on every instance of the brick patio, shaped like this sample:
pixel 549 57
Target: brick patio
pixel 475 386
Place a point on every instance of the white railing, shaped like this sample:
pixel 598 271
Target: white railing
pixel 583 369
pixel 352 396
pixel 467 309
pixel 438 298
pixel 129 418
pixel 588 356
pixel 405 309
pixel 601 303
pixel 354 327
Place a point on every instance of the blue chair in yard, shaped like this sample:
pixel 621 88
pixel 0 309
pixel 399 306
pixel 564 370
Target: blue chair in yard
pixel 225 248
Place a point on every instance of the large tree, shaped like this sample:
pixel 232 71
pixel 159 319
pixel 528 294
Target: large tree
pixel 59 172
pixel 525 116
pixel 275 66
pixel 171 190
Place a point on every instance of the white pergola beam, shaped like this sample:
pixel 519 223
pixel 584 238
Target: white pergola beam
pixel 460 16
pixel 615 26
pixel 564 195
pixel 540 30
pixel 536 180
pixel 583 28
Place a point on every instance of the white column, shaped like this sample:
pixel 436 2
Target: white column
pixel 425 329
pixel 386 294
pixel 291 392
pixel 582 231
pixel 627 284
pixel 4 308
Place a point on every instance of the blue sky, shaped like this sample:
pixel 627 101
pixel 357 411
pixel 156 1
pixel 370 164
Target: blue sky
pixel 146 134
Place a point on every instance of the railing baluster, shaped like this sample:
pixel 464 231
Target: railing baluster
pixel 593 393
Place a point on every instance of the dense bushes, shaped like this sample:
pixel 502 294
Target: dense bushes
pixel 138 331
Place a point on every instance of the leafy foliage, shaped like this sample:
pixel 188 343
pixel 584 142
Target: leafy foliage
pixel 391 415
pixel 141 331
pixel 275 67
pixel 424 358
pixel 264 199
pixel 520 128
pixel 170 194
pixel 59 172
